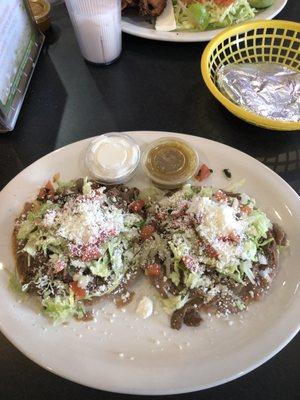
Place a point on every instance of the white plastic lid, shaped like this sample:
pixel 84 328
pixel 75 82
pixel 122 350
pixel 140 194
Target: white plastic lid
pixel 112 157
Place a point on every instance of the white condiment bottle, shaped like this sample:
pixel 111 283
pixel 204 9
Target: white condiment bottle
pixel 97 25
pixel 112 158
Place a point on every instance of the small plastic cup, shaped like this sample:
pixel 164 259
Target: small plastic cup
pixel 112 158
pixel 170 162
pixel 97 25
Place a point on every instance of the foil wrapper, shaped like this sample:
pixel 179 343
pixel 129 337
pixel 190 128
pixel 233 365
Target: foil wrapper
pixel 267 89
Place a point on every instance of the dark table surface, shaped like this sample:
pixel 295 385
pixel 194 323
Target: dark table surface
pixel 154 86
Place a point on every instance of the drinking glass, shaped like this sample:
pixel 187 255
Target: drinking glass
pixel 97 25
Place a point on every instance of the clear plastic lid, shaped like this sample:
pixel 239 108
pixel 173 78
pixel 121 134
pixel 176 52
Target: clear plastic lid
pixel 112 158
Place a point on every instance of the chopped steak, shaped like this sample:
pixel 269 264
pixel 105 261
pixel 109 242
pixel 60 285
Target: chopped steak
pixel 189 314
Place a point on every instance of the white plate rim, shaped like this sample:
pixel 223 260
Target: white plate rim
pixel 76 379
pixel 152 34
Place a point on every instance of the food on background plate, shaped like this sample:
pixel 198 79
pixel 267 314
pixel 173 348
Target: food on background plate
pixel 170 162
pixel 146 7
pixel 196 15
pixel 208 250
pixel 77 242
pixel 166 22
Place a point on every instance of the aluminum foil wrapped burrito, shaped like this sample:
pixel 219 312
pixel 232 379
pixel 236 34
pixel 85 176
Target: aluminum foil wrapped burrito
pixel 268 89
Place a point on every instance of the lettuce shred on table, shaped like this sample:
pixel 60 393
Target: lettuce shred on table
pixel 215 16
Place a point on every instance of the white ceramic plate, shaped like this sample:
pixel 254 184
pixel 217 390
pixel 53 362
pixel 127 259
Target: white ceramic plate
pixel 138 26
pixel 156 359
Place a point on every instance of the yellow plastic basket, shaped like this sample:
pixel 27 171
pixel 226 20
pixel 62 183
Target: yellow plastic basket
pixel 251 42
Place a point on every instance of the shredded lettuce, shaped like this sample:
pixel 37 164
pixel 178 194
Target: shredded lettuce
pixel 233 272
pixel 60 309
pixel 101 267
pixel 240 304
pixel 178 250
pixel 267 241
pixel 28 225
pixel 206 191
pixel 133 220
pixel 192 280
pixel 246 268
pixel 259 224
pixel 187 191
pixel 65 186
pixel 87 186
pixel 173 303
pixel 249 250
pixel 25 229
pixel 174 276
pixel 151 194
pixel 41 241
pixel 115 253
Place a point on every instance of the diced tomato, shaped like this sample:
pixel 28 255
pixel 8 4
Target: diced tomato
pixel 147 231
pixel 220 196
pixel 136 206
pixel 232 237
pixel 153 269
pixel 204 173
pixel 78 291
pixel 42 193
pixel 245 209
pixel 47 190
pixel 224 3
pixel 90 252
pixel 59 266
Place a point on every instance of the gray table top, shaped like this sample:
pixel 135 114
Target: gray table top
pixel 154 86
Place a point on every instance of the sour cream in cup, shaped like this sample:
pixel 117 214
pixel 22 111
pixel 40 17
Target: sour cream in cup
pixel 112 158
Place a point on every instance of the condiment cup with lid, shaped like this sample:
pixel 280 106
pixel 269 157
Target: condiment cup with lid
pixel 170 162
pixel 112 158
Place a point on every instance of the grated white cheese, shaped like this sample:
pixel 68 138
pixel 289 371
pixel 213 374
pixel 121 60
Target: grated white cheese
pixel 49 218
pixel 78 264
pixel 86 219
pixel 216 221
pixel 82 280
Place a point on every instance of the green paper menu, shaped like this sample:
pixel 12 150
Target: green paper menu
pixel 20 45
